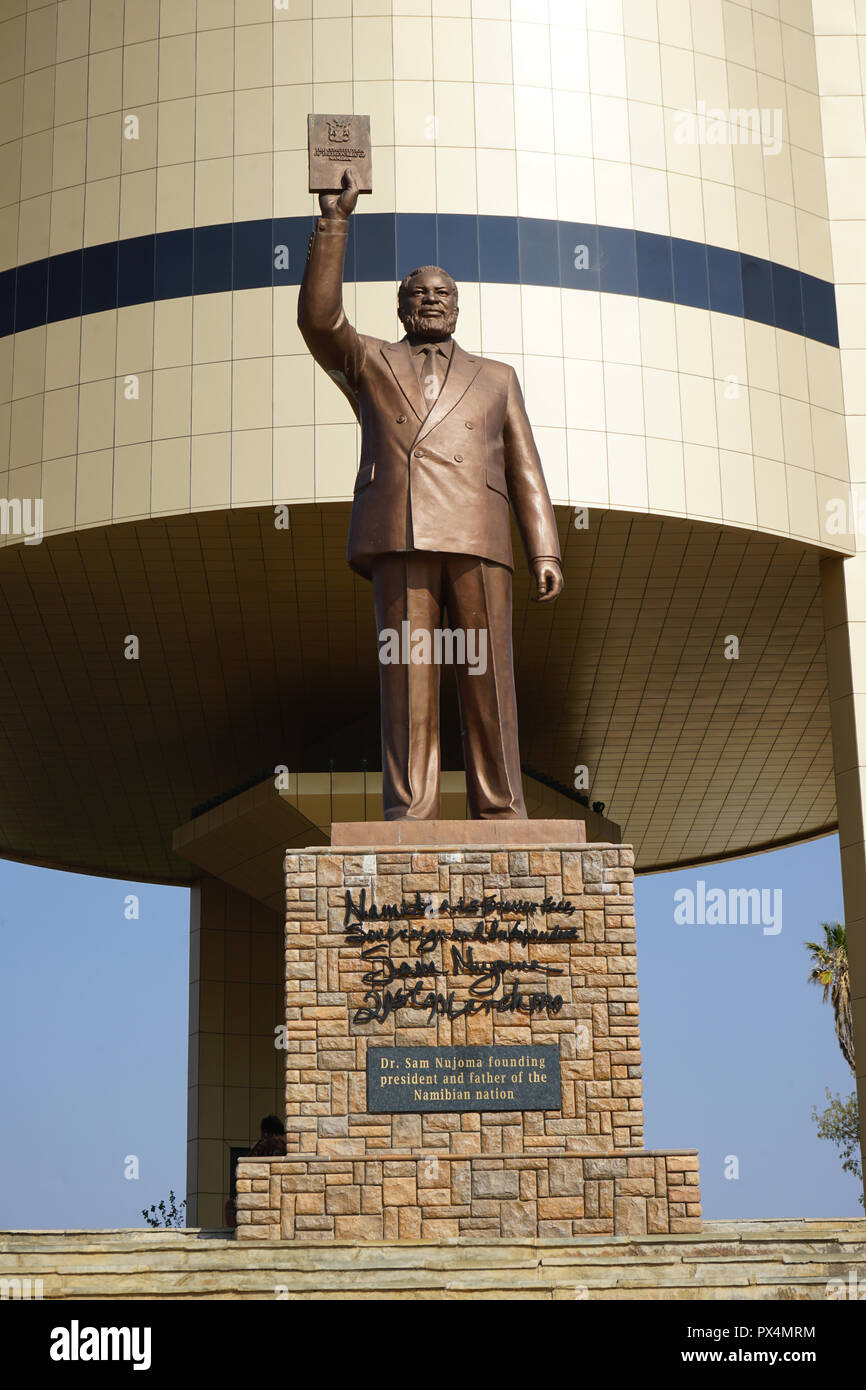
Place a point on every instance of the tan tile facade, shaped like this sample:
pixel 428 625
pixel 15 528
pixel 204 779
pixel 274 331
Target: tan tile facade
pixel 234 1071
pixel 840 43
pixel 538 109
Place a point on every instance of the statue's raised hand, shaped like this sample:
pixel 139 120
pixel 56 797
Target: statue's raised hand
pixel 341 205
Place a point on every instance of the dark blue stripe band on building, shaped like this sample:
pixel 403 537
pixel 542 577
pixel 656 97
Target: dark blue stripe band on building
pixel 384 246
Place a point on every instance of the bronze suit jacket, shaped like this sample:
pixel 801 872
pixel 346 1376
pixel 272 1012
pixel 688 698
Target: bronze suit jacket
pixel 440 481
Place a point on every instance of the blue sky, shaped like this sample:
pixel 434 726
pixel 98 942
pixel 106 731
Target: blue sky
pixel 737 1045
pixel 93 1029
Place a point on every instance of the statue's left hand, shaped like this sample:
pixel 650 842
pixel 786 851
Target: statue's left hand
pixel 548 579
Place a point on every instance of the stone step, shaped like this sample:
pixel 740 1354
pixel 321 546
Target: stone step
pixel 228 1286
pixel 715 1232
pixel 621 1276
pixel 729 1260
pixel 382 1260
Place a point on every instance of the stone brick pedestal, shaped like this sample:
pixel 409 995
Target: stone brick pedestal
pixel 559 920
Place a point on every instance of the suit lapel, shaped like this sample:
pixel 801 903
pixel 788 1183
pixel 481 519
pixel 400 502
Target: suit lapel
pixel 399 359
pixel 461 373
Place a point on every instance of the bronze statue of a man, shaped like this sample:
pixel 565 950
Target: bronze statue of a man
pixel 445 446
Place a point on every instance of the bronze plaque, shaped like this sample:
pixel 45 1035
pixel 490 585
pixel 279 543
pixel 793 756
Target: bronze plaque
pixel 335 142
pixel 485 1077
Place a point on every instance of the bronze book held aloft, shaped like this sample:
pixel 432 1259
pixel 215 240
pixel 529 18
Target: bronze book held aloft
pixel 335 144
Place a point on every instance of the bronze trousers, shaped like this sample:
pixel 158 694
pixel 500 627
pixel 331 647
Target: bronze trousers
pixel 412 592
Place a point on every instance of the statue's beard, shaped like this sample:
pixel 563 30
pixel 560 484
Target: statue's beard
pixel 427 327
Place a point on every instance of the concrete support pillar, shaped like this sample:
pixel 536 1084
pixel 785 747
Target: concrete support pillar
pixel 843 583
pixel 236 1074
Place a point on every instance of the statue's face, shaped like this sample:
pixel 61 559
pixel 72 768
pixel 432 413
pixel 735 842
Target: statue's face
pixel 428 308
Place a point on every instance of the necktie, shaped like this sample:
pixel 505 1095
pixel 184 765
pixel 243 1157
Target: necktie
pixel 431 379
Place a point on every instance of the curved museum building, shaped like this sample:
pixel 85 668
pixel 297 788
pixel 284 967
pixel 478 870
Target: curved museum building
pixel 655 211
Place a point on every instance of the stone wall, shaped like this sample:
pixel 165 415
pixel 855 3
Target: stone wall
pixel 404 1197
pixel 575 1169
pixel 596 1029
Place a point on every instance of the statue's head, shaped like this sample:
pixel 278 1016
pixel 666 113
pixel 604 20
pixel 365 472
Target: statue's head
pixel 427 303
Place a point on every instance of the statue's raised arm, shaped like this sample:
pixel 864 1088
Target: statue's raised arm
pixel 321 317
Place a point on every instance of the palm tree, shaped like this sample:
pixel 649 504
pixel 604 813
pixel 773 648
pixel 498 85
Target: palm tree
pixel 830 970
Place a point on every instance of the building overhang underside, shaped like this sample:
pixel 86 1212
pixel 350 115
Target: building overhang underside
pixel 683 666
